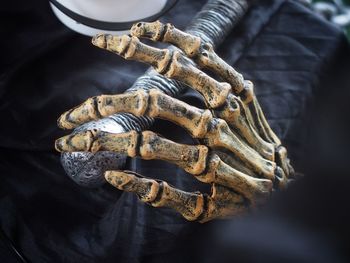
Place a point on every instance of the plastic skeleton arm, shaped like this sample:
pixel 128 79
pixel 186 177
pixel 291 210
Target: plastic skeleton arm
pixel 240 156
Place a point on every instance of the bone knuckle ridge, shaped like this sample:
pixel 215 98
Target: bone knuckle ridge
pixel 148 144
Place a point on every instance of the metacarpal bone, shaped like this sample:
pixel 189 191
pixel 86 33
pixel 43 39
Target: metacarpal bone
pixel 205 56
pixel 237 116
pixel 158 193
pixel 156 104
pixel 222 202
pixel 220 135
pixel 147 145
pixel 254 189
pixel 157 31
pixel 200 123
pixel 193 159
pixel 171 64
pixel 202 53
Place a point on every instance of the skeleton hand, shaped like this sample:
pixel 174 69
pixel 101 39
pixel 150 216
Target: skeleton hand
pixel 240 156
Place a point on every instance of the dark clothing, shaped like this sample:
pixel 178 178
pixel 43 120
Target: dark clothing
pixel 300 66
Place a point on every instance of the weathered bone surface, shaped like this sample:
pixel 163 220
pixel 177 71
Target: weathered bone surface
pixel 156 104
pixel 171 64
pixel 239 155
pixel 212 24
pixel 196 160
pixel 222 202
pixel 204 55
pixel 193 47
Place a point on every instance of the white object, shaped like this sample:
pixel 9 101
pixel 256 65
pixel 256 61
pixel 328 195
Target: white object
pixel 108 11
pixel 342 20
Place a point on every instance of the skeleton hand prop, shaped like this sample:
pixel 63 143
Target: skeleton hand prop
pixel 240 156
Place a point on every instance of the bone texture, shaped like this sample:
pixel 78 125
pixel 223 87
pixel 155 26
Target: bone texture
pixel 232 127
pixel 212 24
pixel 204 55
pixel 222 202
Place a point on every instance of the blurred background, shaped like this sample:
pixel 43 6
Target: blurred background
pixel 336 11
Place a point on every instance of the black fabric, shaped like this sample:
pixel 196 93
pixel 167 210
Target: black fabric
pixel 300 66
pixel 112 26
